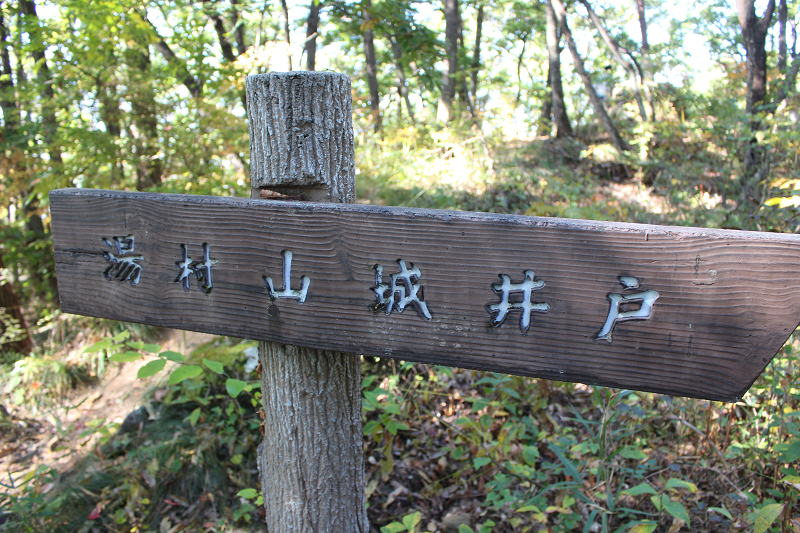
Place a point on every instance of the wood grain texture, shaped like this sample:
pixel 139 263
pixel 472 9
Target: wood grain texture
pixel 727 300
pixel 301 134
pixel 311 460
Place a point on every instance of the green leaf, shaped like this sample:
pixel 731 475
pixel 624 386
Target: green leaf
pixel 643 527
pixel 184 372
pixel 172 356
pixel 214 366
pixel 235 387
pixel 122 335
pixel 723 512
pixel 248 494
pixel 99 345
pixel 151 348
pixel 464 528
pixel 675 509
pixel 675 483
pixel 194 417
pixel 569 467
pixel 124 357
pixel 530 454
pixel 394 527
pixel 633 452
pixel 788 452
pixel 767 516
pixel 641 488
pixel 153 367
pixel 480 461
pixel 370 426
pixel 410 521
pixel 136 345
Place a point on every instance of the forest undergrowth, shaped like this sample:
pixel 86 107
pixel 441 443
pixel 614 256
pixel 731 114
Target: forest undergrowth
pixel 446 449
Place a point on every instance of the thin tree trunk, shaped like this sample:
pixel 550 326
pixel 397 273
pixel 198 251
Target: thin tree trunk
pixel 783 14
pixel 614 48
pixel 452 24
pixel 372 67
pixel 560 117
pixel 49 120
pixel 646 68
pixel 787 85
pixel 192 84
pixel 8 100
pixel 149 169
pixel 547 108
pixel 238 28
pixel 11 304
pixel 312 25
pixel 597 102
pixel 754 35
pixel 311 462
pixel 402 88
pixel 286 35
pixel 519 72
pixel 476 54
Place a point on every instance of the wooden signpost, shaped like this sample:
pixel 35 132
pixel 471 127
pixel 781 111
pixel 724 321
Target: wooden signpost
pixel 679 311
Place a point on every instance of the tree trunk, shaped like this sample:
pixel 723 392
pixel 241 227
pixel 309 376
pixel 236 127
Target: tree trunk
pixel 646 65
pixel 402 88
pixel 783 14
pixel 614 48
pixel 372 67
pixel 312 459
pixel 49 120
pixel 446 112
pixel 754 35
pixel 149 168
pixel 286 35
pixel 559 109
pixel 597 102
pixel 312 25
pixel 8 100
pixel 10 303
pixel 238 28
pixel 193 85
pixel 476 54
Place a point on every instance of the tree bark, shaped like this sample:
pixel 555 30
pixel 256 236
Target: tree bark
pixel 286 35
pixel 49 120
pixel 142 98
pixel 372 67
pixel 312 25
pixel 476 54
pixel 452 24
pixel 559 109
pixel 614 48
pixel 646 64
pixel 402 88
pixel 238 28
pixel 754 35
pixel 10 302
pixel 597 102
pixel 8 100
pixel 783 14
pixel 312 460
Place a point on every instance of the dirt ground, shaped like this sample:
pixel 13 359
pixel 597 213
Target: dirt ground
pixel 51 437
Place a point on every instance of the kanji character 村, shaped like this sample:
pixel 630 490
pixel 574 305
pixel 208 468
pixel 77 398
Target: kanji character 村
pixel 199 269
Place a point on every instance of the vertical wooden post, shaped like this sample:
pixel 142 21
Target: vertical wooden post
pixel 311 460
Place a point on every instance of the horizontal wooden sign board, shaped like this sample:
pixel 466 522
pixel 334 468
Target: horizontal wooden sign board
pixel 680 311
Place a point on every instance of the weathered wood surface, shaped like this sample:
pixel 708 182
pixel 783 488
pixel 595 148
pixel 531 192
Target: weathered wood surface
pixel 312 458
pixel 727 300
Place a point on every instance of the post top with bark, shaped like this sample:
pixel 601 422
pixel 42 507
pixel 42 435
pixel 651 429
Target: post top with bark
pixel 307 147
